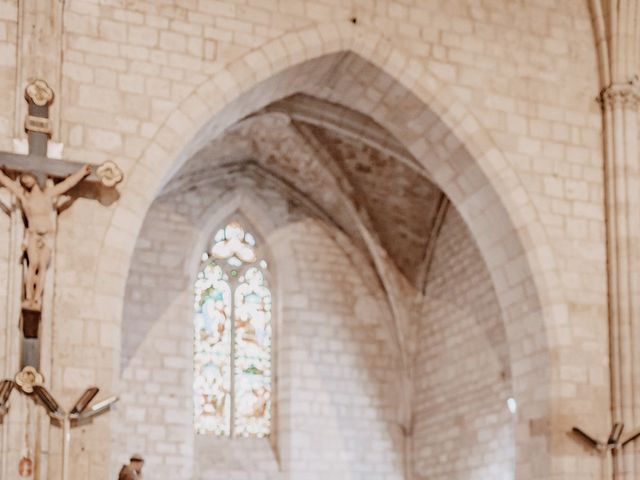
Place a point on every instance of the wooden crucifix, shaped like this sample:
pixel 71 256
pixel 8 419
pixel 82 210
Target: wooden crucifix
pixel 40 184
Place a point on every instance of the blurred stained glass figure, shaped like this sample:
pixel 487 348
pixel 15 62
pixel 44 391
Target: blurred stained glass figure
pixel 232 338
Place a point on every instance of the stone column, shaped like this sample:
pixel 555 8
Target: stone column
pixel 622 187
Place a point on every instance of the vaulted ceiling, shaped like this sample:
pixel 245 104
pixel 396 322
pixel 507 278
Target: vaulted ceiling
pixel 350 171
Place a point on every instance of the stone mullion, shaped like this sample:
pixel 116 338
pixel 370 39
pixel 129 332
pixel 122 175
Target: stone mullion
pixel 622 185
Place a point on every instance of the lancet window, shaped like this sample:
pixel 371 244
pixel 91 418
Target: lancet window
pixel 232 338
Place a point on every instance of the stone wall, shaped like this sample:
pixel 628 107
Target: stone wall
pixel 514 83
pixel 155 414
pixel 8 37
pixel 463 428
pixel 339 410
pixel 333 405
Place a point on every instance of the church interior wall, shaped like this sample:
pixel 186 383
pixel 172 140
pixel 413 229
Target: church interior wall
pixel 526 71
pixel 333 401
pixel 155 414
pixel 341 404
pixel 149 77
pixel 463 428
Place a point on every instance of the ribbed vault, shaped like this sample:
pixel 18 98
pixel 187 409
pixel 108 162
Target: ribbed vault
pixel 325 152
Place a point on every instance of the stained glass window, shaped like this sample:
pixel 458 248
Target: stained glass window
pixel 232 341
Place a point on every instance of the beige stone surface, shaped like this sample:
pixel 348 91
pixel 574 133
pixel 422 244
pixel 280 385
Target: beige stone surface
pixel 463 367
pixel 332 373
pixel 493 101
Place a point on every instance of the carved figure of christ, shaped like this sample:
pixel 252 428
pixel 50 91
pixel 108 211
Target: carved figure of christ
pixel 39 206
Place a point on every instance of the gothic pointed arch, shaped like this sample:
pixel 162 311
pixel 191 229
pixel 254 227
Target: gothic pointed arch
pixel 455 150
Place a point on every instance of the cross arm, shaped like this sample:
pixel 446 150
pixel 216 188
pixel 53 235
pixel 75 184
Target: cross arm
pixel 47 400
pixel 5 392
pixel 592 441
pixel 631 437
pixel 38 163
pixel 616 432
pixel 97 409
pixel 84 400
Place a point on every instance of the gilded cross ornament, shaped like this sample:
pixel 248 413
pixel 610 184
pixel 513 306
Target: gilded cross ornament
pixel 28 378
